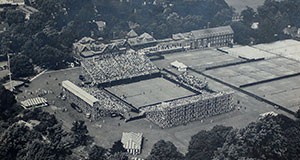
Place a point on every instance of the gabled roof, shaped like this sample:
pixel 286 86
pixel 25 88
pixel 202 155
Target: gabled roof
pixel 142 39
pixel 132 140
pixel 80 93
pixel 132 33
pixel 101 24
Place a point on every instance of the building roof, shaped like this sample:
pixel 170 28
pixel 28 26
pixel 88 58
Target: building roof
pixel 13 84
pixel 209 32
pixel 132 140
pixel 144 38
pixel 101 24
pixel 33 102
pixel 89 99
pixel 132 33
pixel 86 40
pixel 178 64
pixel 179 36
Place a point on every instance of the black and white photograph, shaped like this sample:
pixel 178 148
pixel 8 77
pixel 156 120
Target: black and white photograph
pixel 149 79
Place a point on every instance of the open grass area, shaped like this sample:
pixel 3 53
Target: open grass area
pixel 149 91
pixel 256 71
pixel 285 92
pixel 199 59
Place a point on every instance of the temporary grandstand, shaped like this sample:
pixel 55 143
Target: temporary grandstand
pixel 93 101
pixel 79 97
pixel 106 69
pixel 184 110
pixel 79 93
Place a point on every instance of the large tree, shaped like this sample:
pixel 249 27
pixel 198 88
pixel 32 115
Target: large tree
pixel 163 150
pixel 117 147
pixel 7 101
pixel 97 153
pixel 14 17
pixel 21 66
pixel 265 139
pixel 205 143
pixel 80 131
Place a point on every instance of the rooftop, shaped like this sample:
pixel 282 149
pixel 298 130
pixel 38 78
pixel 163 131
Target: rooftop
pixel 132 140
pixel 82 94
pixel 203 33
pixel 33 102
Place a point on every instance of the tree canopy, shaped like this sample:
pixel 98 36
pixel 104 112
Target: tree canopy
pixel 273 16
pixel 163 150
pixel 21 66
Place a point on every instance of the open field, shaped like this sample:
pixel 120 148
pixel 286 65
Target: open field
pixel 240 5
pixel 197 59
pixel 50 82
pixel 256 71
pixel 149 91
pixel 248 52
pixel 285 92
pixel 286 48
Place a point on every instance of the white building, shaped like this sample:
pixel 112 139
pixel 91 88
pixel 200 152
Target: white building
pixel 179 66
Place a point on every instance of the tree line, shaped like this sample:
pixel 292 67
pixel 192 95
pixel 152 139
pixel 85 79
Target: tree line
pixel 273 16
pixel 271 137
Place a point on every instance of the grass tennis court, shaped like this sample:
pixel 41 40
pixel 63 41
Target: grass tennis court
pixel 149 91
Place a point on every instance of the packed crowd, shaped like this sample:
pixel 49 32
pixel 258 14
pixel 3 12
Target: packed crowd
pixel 189 80
pixel 192 80
pixel 106 102
pixel 165 48
pixel 108 67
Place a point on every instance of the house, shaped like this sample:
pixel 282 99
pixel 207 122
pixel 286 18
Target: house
pixel 255 25
pixel 132 142
pixel 101 25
